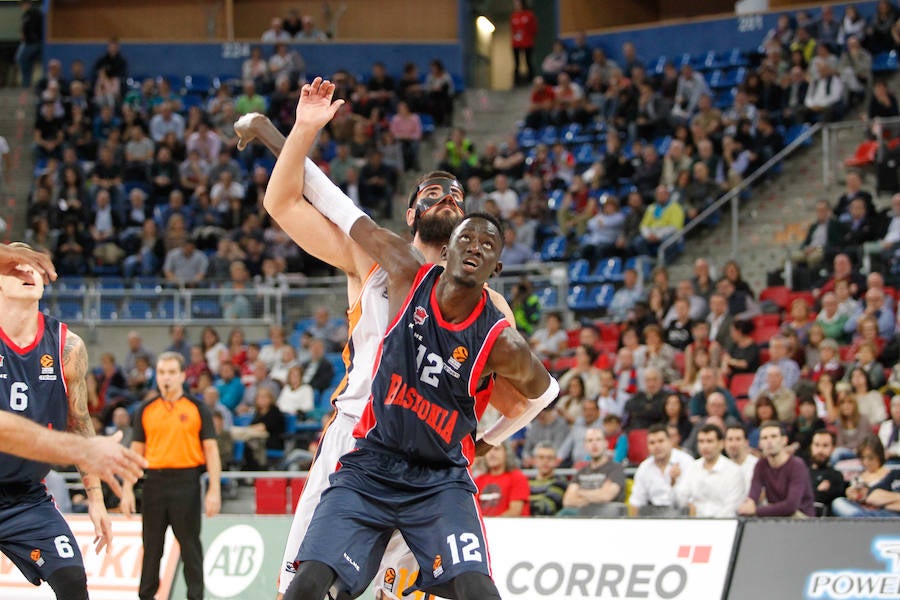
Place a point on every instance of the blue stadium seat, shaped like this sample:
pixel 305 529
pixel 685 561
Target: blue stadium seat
pixel 70 283
pixel 579 271
pixel 175 81
pixel 579 299
pixel 70 310
pixel 795 131
pixel 427 123
pixel 639 263
pixel 886 61
pixel 549 135
pixel 555 199
pixel 656 67
pixel 662 144
pixel 603 295
pixel 109 309
pixel 197 83
pixel 166 308
pixel 584 154
pixel 111 283
pixel 143 282
pixel 266 162
pixel 573 134
pixel 527 138
pixel 549 297
pixel 243 420
pixel 609 269
pixel 138 309
pixel 554 249
pixel 205 308
pixel 189 101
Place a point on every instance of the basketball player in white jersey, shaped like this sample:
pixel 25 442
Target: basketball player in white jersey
pixel 435 207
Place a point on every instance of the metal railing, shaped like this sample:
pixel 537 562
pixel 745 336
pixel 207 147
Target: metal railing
pixel 733 196
pixel 94 302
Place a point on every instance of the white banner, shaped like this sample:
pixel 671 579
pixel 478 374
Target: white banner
pixel 537 559
pixel 111 575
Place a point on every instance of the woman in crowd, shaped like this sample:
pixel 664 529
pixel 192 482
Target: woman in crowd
pixel 871 402
pixel 213 348
pixel 874 475
pixel 765 411
pixel 852 426
pixel 585 369
pixel 569 404
pixel 677 415
pixel 742 354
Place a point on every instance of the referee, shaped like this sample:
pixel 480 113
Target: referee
pixel 176 435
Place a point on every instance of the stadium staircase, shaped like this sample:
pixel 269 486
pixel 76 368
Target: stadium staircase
pixel 17 113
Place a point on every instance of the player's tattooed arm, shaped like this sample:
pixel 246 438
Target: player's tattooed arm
pixel 75 367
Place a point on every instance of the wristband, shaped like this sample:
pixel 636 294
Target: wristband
pixel 505 427
pixel 328 199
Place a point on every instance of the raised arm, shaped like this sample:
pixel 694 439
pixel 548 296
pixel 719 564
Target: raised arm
pixel 75 364
pixel 294 176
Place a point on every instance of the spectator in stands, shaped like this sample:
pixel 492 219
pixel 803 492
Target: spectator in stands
pixel 185 265
pixel 737 448
pixel 873 308
pixel 676 415
pixel 440 90
pixel 678 331
pixel 406 126
pixel 719 411
pixel 210 396
pixel 276 32
pixel 48 133
pixel 853 191
pixel 740 304
pixel 889 432
pixel 878 31
pixel 691 86
pixel 822 237
pixel 104 226
pixel 165 121
pixel 828 362
pixel 659 478
pixel 697 309
pixel 876 480
pixel 782 479
pixel 554 63
pixel 571 451
pixel 783 32
pixel 267 419
pixel 549 429
pixel 647 406
pixel 73 248
pixel 546 488
pixel 626 296
pixel 855 68
pixel 662 219
pixel 600 482
pixel 603 229
pixel 318 371
pixel 31 41
pixel 710 384
pixel 713 485
pixel 112 62
pixel 503 490
pixel 700 193
pixel 828 483
pixel 656 353
pixel 870 401
pixel 775 388
pixel 309 32
pixel 249 101
pixel 852 425
pixel 549 341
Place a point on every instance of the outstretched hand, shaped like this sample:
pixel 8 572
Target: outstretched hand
pixel 14 258
pixel 315 108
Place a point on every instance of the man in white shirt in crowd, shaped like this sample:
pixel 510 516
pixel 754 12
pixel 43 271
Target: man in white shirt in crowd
pixel 659 479
pixel 549 341
pixel 506 198
pixel 714 486
pixel 737 447
pixel 825 95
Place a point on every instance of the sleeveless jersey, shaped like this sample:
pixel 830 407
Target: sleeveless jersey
pixel 32 386
pixel 368 319
pixel 425 400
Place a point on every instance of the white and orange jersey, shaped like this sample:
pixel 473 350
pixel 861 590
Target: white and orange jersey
pixel 368 320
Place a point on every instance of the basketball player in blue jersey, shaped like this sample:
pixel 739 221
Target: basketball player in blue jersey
pixel 436 206
pixel 42 378
pixel 433 429
pixel 20 437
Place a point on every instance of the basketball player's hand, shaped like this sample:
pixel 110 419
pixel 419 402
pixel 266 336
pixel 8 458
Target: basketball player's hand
pixel 102 524
pixel 127 504
pixel 107 458
pixel 243 127
pixel 13 259
pixel 213 503
pixel 315 108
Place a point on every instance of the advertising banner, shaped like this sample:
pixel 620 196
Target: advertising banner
pixel 111 575
pixel 824 559
pixel 616 558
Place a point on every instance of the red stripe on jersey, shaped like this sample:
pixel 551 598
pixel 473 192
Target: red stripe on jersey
pixel 37 338
pixel 63 330
pixel 366 422
pixel 456 326
pixel 483 354
pixel 420 275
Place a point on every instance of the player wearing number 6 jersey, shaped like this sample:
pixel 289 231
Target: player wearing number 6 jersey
pixel 435 207
pixel 42 378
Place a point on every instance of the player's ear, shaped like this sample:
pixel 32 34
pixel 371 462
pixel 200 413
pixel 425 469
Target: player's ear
pixel 410 216
pixel 444 253
pixel 497 269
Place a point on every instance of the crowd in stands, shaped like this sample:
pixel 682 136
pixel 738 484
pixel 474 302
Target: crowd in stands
pixel 718 397
pixel 140 175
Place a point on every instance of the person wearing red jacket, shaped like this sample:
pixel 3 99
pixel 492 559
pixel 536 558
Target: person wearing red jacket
pixel 524 30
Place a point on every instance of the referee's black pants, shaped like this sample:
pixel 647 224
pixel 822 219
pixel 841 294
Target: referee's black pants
pixel 172 497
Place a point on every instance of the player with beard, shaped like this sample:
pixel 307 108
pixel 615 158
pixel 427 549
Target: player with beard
pixel 436 206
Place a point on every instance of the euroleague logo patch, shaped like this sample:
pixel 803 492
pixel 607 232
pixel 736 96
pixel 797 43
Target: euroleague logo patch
pixel 438 566
pixel 460 354
pixel 36 557
pixel 48 373
pixel 390 578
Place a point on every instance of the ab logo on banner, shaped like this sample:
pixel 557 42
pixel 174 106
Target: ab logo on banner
pixel 233 560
